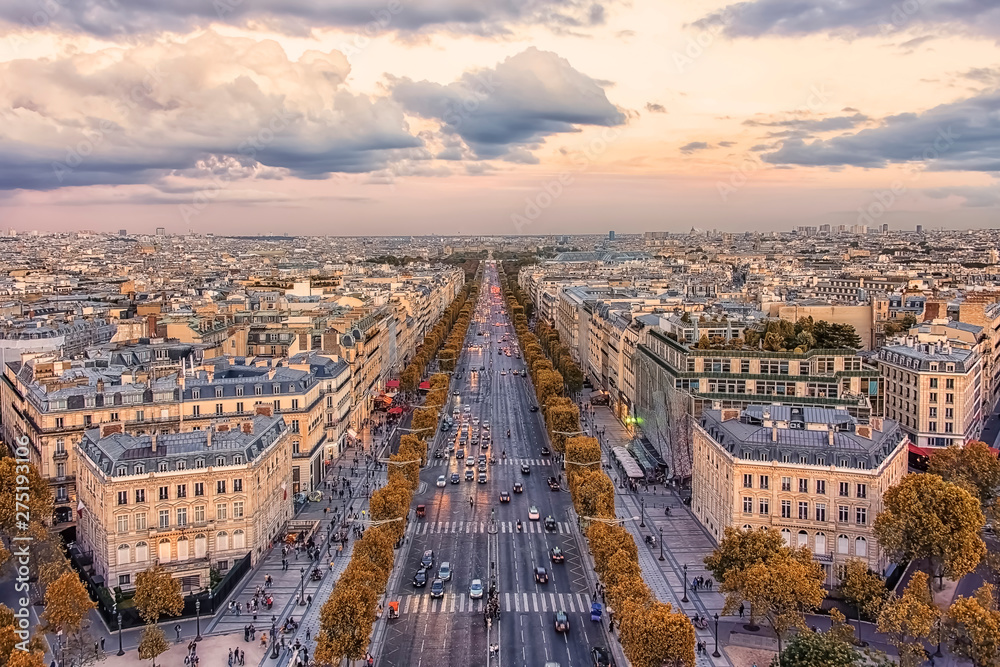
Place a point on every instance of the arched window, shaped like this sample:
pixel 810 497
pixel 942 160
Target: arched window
pixel 222 541
pixel 200 544
pixel 182 548
pixel 141 552
pixel 861 547
pixel 163 550
pixel 239 539
pixel 786 535
pixel 803 538
pixel 124 554
pixel 843 544
pixel 820 546
pixel 747 526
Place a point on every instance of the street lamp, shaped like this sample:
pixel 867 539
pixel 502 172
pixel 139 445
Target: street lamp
pixel 661 543
pixel 642 512
pixel 716 654
pixel 685 598
pixel 302 590
pixel 121 651
pixel 197 619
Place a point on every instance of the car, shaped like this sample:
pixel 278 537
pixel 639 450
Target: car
pixel 482 368
pixel 455 393
pixel 445 427
pixel 470 475
pixel 541 575
pixel 427 560
pixel 545 451
pixel 482 466
pixel 486 425
pixel 561 621
pixel 471 461
pixel 460 454
pixel 533 408
pixel 455 479
pixel 485 446
pixel 550 523
pixel 601 657
pixel 482 478
pixel 514 372
pixel 475 421
pixel 441 480
pixel 503 372
pixel 525 468
pixel 467 409
pixel 518 488
pixel 476 589
pixel 437 588
pixel 533 514
pixel 504 497
pixel 444 571
pixel 557 556
pixel 420 578
pixel 553 484
pixel 438 454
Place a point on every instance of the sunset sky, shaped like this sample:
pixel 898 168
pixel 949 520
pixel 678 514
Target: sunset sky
pixel 499 117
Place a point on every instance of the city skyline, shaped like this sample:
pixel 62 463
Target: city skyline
pixel 521 118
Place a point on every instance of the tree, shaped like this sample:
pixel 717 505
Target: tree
pixel 606 540
pixel 973 467
pixel 656 636
pixel 909 619
pixel 152 644
pixel 819 649
pixel 345 624
pixel 582 454
pixel 594 494
pixel 972 628
pixel 863 589
pixel 38 500
pixel 739 549
pixel 157 594
pixel 35 658
pixel 66 604
pixel 927 517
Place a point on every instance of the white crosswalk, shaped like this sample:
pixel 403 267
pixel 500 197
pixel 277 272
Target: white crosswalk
pixel 454 527
pixel 512 602
pixel 442 463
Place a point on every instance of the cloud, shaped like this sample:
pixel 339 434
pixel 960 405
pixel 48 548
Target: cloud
pixel 508 111
pixel 653 107
pixel 792 18
pixel 107 18
pixel 727 144
pixel 689 148
pixel 972 196
pixel 958 136
pixel 811 124
pixel 212 106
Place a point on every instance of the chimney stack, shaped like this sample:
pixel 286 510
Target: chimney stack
pixel 100 386
pixel 774 434
pixel 829 435
pixel 208 437
pixel 152 441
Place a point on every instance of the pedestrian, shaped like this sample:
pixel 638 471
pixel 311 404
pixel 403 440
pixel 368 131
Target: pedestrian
pixel 230 657
pixel 102 643
pixel 243 657
pixel 308 634
pixel 742 609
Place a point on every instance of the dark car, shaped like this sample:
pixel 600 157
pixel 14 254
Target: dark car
pixel 420 578
pixel 533 408
pixel 437 589
pixel 553 483
pixel 545 451
pixel 504 497
pixel 601 656
pixel 470 475
pixel 561 622
pixel 557 555
pixel 438 454
pixel 525 469
pixel 541 575
pixel 428 558
pixel 550 523
pixel 455 479
pixel 518 488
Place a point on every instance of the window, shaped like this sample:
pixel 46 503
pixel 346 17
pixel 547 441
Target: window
pixel 182 464
pixel 239 539
pixel 932 397
pixel 786 535
pixel 819 547
pixel 747 481
pixel 933 383
pixel 122 523
pixel 140 495
pixel 220 461
pixel 239 390
pixel 843 544
pixel 162 467
pixel 182 516
pixel 220 511
pixel 949 427
pixel 199 513
pixel 196 393
pixel 804 510
pixel 220 486
pixel 140 415
pixel 949 398
pixel 803 486
pixel 199 463
pixel 862 490
pixel 803 538
pixel 845 489
pixel 786 509
pixel 164 493
pixel 182 490
pixel 949 413
pixel 60 422
pixel 218 408
pixel 295 446
pixel 786 483
pixel 821 511
pixel 276 389
pixel 140 521
pixel 821 487
pixel 295 404
pixel 949 383
pixel 164 518
pixel 745 366
pixel 932 413
pixel 196 411
pixel 747 505
pixel 238 485
pixel 765 482
pixel 844 514
pixel 861 547
pixel 218 392
pixel 238 509
pixel 124 579
pixel 237 460
pixel 765 506
pixel 861 516
pixel 277 405
pixel 123 497
pixel 239 406
pixel 258 390
pixel 141 552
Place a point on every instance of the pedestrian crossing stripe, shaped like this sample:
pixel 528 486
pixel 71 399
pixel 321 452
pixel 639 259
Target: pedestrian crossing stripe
pixel 451 603
pixel 453 527
pixel 440 463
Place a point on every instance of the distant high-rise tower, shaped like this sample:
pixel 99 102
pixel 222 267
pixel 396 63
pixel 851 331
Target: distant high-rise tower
pixel 920 229
pixel 611 235
pixel 122 232
pixel 885 227
pixel 161 231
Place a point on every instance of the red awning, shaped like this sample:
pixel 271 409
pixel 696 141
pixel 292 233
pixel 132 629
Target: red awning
pixel 385 399
pixel 396 410
pixel 919 451
pixel 425 385
pixel 392 384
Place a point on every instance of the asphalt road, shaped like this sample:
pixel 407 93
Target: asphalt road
pixel 451 630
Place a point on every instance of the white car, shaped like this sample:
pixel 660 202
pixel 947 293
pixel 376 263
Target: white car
pixel 476 589
pixel 533 513
pixel 441 480
pixel 486 425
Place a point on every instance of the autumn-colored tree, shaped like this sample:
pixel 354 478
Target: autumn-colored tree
pixel 657 636
pixel 66 604
pixel 621 565
pixel 152 644
pixel 375 550
pixel 740 549
pixel 424 420
pixel 862 589
pixel 346 620
pixel 926 517
pixel 38 498
pixel 594 494
pixel 35 658
pixel 7 637
pixel 405 464
pixel 562 416
pixel 583 453
pixel 548 384
pixel 629 593
pixel 973 466
pixel 782 590
pixel 972 628
pixel 909 619
pixel 157 594
pixel 605 541
pixel 819 649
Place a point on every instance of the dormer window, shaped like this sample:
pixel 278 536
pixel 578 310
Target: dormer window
pixel 237 459
pixel 196 393
pixel 181 465
pixel 239 390
pixel 139 470
pixel 220 461
pixel 199 463
pixel 218 392
pixel 276 389
pixel 163 466
pixel 122 471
